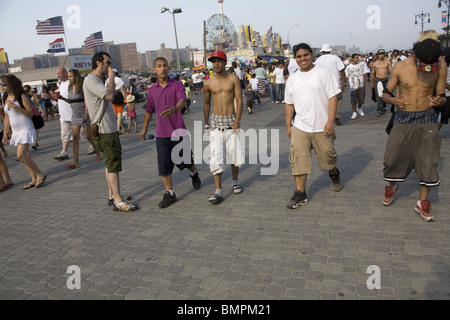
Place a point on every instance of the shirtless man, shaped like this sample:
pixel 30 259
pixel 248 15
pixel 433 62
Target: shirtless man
pixel 414 142
pixel 224 125
pixel 381 69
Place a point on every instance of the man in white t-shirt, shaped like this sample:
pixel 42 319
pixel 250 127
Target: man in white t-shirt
pixel 356 73
pixel 238 73
pixel 65 113
pixel 312 93
pixel 336 67
pixel 280 83
pixel 196 79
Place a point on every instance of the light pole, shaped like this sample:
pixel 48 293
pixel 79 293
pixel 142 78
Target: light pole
pixel 289 44
pixel 447 3
pixel 422 17
pixel 173 13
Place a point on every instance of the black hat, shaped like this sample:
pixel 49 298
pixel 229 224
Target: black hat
pixel 428 51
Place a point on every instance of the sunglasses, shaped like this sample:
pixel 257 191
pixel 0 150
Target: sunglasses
pixel 107 62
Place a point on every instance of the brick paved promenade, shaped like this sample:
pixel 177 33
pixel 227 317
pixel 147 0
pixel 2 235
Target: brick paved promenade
pixel 250 247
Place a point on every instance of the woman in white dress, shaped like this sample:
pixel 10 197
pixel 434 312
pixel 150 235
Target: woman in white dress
pixel 19 111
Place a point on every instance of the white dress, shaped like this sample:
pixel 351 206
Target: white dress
pixel 23 131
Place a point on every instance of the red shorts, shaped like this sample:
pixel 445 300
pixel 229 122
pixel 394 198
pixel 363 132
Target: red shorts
pixel 118 108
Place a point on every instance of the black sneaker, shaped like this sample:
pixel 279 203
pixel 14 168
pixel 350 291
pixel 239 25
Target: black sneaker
pixel 168 200
pixel 297 200
pixel 336 181
pixel 196 182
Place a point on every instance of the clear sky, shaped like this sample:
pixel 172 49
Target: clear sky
pixel 367 24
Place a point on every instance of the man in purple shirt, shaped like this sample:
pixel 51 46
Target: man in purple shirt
pixel 166 98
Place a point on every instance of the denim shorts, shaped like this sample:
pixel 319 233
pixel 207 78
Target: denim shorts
pixel 164 148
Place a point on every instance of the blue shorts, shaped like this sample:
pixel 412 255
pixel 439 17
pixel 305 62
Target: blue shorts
pixel 166 164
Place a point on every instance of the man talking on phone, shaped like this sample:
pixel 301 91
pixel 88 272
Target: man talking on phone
pixel 101 112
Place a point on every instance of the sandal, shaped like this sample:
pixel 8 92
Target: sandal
pixel 5 187
pixel 72 166
pixel 237 189
pixel 125 198
pixel 98 159
pixel 40 182
pixel 29 186
pixel 215 199
pixel 124 207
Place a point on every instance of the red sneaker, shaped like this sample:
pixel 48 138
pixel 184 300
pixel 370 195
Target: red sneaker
pixel 424 209
pixel 389 193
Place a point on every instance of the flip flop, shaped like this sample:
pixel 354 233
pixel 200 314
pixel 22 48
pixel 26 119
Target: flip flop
pixel 215 199
pixel 237 189
pixel 98 159
pixel 41 182
pixel 72 166
pixel 29 186
pixel 5 187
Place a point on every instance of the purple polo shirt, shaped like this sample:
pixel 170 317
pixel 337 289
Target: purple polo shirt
pixel 157 100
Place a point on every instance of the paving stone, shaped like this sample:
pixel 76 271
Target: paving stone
pixel 248 247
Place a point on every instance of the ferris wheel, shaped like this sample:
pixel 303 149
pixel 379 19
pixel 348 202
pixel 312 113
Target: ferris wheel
pixel 220 31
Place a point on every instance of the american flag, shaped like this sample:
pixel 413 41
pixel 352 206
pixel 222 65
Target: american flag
pixel 94 40
pixel 50 26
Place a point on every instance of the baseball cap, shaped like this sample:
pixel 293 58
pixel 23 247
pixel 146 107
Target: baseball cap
pixel 427 55
pixel 381 51
pixel 218 54
pixel 326 48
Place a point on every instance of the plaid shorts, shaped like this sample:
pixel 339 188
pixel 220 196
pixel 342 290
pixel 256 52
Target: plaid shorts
pixel 222 122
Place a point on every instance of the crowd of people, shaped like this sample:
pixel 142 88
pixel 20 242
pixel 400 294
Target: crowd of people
pixel 310 86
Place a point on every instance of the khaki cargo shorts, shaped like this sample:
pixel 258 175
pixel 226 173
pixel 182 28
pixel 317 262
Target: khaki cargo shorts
pixel 301 145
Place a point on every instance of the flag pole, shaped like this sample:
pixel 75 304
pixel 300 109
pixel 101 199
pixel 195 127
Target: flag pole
pixel 66 46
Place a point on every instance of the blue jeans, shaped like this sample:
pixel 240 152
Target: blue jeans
pixel 280 87
pixel 273 95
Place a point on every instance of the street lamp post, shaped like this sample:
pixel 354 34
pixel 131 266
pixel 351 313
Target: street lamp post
pixel 447 3
pixel 422 17
pixel 289 44
pixel 173 13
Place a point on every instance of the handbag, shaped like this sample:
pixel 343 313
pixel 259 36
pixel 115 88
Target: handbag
pixel 94 130
pixel 38 121
pixel 118 98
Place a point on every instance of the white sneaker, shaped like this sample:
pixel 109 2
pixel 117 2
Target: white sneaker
pixel 91 150
pixel 354 115
pixel 361 112
pixel 62 156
